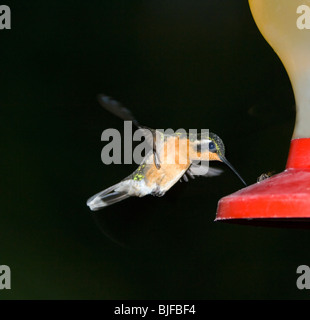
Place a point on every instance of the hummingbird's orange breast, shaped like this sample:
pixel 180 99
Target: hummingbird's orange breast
pixel 174 161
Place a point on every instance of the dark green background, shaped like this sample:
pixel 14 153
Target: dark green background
pixel 178 64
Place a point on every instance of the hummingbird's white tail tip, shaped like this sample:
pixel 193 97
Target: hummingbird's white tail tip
pixel 95 203
pixel 106 198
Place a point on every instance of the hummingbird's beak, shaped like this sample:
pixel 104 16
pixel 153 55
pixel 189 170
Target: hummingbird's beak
pixel 223 159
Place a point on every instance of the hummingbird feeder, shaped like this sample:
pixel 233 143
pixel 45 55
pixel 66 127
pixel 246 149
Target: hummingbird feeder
pixel 282 199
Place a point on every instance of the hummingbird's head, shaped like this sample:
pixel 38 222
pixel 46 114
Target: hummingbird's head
pixel 216 145
pixel 211 147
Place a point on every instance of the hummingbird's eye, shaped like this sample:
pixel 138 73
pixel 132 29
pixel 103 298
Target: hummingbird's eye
pixel 212 147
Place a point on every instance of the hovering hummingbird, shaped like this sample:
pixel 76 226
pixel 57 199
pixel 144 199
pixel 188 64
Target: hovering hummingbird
pixel 158 172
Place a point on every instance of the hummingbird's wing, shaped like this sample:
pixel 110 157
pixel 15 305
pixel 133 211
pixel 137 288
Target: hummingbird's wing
pixel 201 169
pixel 149 135
pixel 117 109
pixel 120 111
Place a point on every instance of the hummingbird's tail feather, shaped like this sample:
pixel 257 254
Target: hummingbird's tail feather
pixel 106 197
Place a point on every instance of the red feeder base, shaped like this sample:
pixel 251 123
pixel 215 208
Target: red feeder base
pixel 281 199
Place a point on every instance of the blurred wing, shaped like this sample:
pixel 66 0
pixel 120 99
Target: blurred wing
pixel 116 108
pixel 203 170
pixel 120 111
pixel 149 135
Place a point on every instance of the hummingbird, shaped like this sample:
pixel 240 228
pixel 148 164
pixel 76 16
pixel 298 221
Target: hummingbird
pixel 159 170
